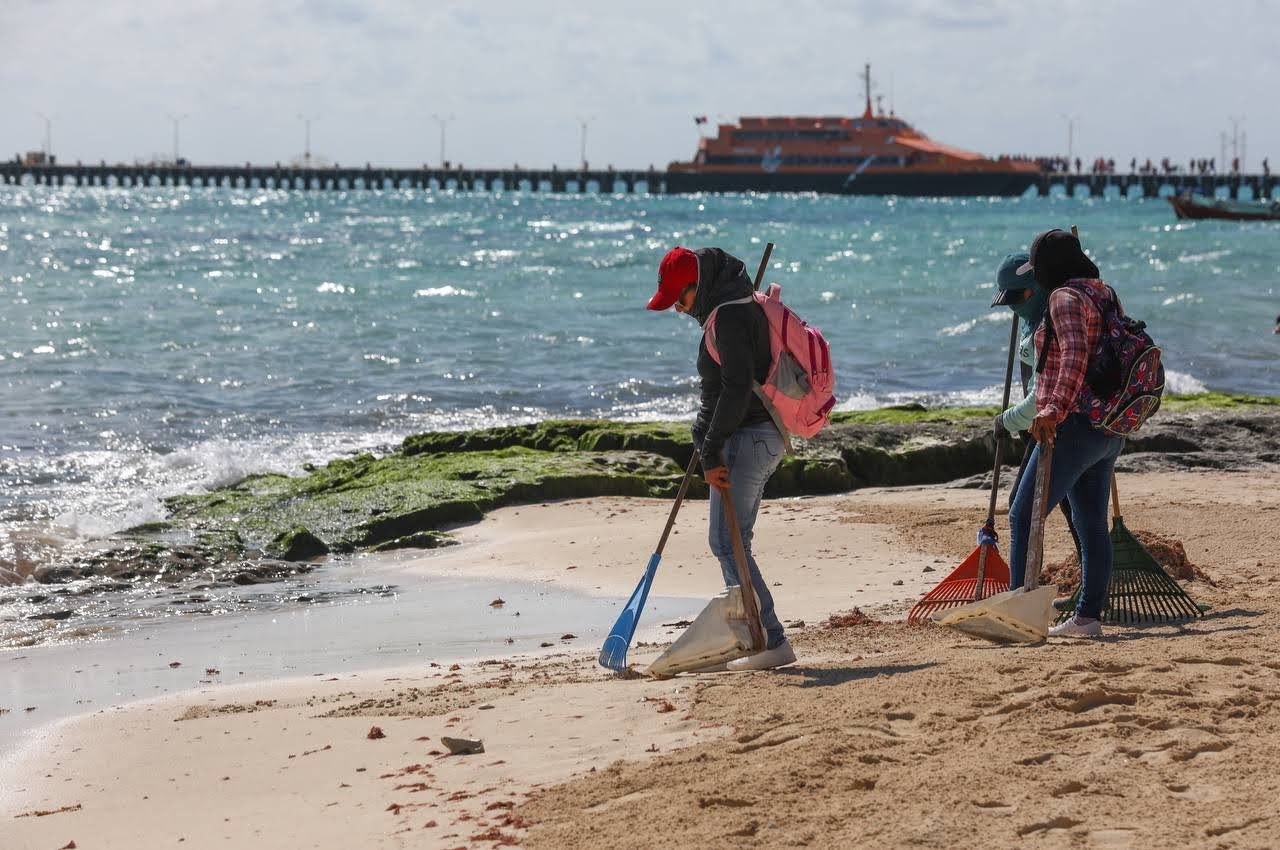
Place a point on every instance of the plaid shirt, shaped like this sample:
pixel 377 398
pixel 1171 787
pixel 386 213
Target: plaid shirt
pixel 1076 326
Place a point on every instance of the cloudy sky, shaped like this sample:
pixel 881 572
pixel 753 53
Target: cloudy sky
pixel 1139 77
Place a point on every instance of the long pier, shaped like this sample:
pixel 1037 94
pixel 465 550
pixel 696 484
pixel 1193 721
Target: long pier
pixel 335 178
pixel 1155 185
pixel 554 179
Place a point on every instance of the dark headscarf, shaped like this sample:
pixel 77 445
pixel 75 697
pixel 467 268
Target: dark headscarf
pixel 1056 257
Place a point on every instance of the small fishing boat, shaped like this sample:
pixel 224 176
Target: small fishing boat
pixel 1190 205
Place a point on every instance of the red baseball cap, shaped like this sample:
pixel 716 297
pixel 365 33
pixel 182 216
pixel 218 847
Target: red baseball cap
pixel 678 269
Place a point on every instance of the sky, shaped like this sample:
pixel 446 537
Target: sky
pixel 515 80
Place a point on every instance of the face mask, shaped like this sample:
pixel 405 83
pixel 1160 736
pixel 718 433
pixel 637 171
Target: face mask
pixel 1032 310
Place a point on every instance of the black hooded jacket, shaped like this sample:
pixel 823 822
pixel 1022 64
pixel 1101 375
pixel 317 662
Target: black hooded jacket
pixel 742 339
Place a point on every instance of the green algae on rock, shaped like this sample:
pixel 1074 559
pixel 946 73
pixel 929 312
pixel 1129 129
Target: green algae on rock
pixel 669 439
pixel 366 501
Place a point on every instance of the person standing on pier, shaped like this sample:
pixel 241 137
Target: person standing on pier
pixel 734 432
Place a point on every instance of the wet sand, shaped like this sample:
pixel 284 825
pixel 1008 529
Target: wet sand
pixel 881 735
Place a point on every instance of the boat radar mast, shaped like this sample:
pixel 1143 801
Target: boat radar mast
pixel 866 79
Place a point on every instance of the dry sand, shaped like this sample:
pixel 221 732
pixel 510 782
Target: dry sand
pixel 881 736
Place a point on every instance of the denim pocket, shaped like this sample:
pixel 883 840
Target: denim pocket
pixel 768 455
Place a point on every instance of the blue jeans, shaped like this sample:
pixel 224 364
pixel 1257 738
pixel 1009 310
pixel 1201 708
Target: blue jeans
pixel 1083 460
pixel 752 454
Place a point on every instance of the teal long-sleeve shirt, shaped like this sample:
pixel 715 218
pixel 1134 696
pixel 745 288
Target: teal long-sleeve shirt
pixel 1019 416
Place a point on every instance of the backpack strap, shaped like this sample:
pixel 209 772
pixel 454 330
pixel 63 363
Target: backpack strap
pixel 1049 332
pixel 709 329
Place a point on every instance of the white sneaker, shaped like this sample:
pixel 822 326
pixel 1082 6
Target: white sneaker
pixel 1073 628
pixel 767 660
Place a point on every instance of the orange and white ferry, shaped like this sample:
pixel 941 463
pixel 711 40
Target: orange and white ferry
pixel 875 154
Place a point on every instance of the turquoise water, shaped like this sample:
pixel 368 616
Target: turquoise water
pixel 155 341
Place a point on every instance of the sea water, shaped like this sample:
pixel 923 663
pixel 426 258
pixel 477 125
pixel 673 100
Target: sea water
pixel 167 340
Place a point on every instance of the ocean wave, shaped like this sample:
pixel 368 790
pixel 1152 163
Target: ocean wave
pixel 101 492
pixel 965 327
pixel 983 397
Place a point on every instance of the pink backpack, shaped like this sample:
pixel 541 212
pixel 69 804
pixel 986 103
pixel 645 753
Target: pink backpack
pixel 798 389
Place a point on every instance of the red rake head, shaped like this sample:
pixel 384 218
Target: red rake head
pixel 960 588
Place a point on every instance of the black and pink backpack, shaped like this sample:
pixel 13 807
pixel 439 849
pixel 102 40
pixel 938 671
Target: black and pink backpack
pixel 1125 378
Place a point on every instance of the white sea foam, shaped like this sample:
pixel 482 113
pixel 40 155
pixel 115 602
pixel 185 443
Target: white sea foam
pixel 1180 383
pixel 1206 257
pixel 442 292
pixel 983 397
pixel 858 401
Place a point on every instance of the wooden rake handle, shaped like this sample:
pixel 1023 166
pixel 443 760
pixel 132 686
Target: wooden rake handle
pixel 1039 507
pixel 744 571
pixel 764 264
pixel 680 494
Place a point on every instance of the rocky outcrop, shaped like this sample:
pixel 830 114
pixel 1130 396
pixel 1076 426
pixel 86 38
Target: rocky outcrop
pixel 268 527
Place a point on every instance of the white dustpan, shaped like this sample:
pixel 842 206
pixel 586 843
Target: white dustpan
pixel 721 633
pixel 1015 616
pixel 1021 615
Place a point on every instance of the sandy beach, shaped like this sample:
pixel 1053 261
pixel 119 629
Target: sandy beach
pixel 881 735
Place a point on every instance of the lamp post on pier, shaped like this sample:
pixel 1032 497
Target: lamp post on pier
pixel 584 122
pixel 306 145
pixel 48 135
pixel 443 121
pixel 1071 126
pixel 177 121
pixel 1236 157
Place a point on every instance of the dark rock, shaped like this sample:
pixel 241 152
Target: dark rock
pixel 463 746
pixel 297 544
pixel 934 463
pixel 57 574
pixel 52 615
pixel 421 540
pixel 1161 442
pixel 810 475
pixel 398 526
